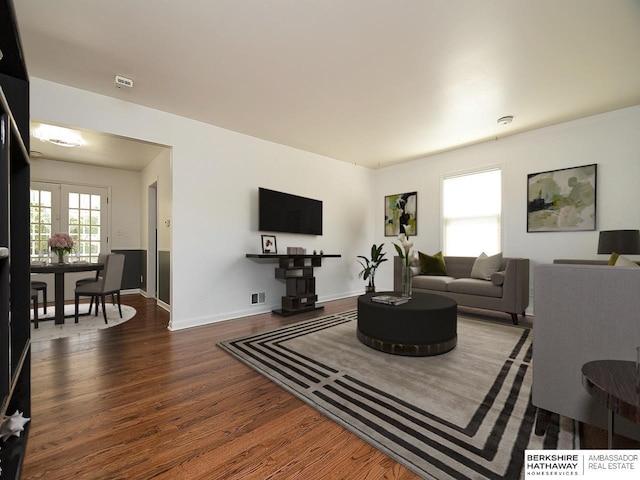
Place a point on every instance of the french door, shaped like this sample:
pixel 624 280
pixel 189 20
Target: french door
pixel 80 210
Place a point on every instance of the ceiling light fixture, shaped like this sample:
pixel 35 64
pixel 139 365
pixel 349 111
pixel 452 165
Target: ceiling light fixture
pixel 62 143
pixel 62 137
pixel 505 120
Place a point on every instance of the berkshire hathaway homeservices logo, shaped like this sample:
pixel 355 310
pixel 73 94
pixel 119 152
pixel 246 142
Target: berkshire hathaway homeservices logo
pixel 585 464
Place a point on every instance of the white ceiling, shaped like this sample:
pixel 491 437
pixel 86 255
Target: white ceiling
pixel 371 82
pixel 99 149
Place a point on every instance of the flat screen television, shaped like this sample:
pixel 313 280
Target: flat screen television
pixel 283 212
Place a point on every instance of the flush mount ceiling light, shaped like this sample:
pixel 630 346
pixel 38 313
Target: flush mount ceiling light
pixel 60 136
pixel 62 143
pixel 505 120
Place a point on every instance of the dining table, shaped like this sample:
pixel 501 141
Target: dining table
pixel 59 270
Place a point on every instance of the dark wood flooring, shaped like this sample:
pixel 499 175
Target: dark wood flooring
pixel 137 401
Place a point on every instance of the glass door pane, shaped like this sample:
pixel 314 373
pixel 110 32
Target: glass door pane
pixel 44 217
pixel 85 216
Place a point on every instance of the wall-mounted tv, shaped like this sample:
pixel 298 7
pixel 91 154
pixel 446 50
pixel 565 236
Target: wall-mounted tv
pixel 283 212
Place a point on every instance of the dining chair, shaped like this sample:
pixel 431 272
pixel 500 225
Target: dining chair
pixel 34 298
pixel 109 284
pixel 102 258
pixel 40 286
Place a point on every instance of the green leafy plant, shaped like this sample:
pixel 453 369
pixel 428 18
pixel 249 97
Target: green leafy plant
pixel 369 265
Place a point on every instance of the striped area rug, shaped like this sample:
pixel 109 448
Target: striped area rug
pixel 464 414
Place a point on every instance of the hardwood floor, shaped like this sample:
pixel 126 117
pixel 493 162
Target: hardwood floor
pixel 137 401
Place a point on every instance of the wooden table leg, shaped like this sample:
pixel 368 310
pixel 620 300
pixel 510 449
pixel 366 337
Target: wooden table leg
pixel 610 430
pixel 59 287
pixel 543 417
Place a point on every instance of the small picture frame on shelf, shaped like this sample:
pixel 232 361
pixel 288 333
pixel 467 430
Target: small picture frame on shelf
pixel 269 244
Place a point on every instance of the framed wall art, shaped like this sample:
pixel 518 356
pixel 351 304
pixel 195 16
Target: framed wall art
pixel 400 210
pixel 269 244
pixel 562 200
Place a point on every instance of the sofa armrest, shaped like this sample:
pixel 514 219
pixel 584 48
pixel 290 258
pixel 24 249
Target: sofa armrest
pixel 515 288
pixel 582 313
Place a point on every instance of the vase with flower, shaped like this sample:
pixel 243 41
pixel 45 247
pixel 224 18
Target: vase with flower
pixel 60 244
pixel 407 255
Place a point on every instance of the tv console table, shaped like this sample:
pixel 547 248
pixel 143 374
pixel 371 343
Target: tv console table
pixel 297 272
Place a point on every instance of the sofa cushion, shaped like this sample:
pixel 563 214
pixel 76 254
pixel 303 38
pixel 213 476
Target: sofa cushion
pixel 431 282
pixel 432 264
pixel 485 266
pixel 473 286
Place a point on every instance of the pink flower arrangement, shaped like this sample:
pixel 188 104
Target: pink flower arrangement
pixel 60 243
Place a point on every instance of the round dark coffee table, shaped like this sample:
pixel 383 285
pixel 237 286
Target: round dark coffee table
pixel 426 325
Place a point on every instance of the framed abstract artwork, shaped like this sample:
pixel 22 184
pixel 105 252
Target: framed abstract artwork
pixel 401 210
pixel 562 200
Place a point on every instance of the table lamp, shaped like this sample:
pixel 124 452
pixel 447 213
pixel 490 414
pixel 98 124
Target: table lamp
pixel 619 241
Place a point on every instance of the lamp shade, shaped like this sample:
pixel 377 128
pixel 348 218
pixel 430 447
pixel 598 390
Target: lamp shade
pixel 619 241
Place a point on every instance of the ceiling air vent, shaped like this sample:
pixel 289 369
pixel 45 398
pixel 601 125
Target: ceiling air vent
pixel 123 82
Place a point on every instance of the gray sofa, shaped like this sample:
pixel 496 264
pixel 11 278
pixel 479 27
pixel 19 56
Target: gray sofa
pixel 507 291
pixel 582 313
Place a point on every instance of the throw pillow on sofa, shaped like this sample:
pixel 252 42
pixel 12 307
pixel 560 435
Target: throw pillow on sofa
pixel 485 266
pixel 497 278
pixel 432 264
pixel 624 262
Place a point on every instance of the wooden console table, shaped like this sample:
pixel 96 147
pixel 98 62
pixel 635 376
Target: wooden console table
pixel 297 272
pixel 613 384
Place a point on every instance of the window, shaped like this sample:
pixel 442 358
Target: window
pixel 79 210
pixel 471 213
pixel 40 221
pixel 85 224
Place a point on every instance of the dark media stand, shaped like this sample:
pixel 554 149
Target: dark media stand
pixel 297 272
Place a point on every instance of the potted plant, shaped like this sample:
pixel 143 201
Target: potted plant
pixel 369 266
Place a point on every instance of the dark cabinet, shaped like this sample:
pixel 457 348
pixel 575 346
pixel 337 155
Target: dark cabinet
pixel 15 346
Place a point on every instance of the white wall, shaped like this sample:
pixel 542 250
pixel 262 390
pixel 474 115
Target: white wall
pixel 216 174
pixel 158 172
pixel 610 140
pixel 157 175
pixel 215 177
